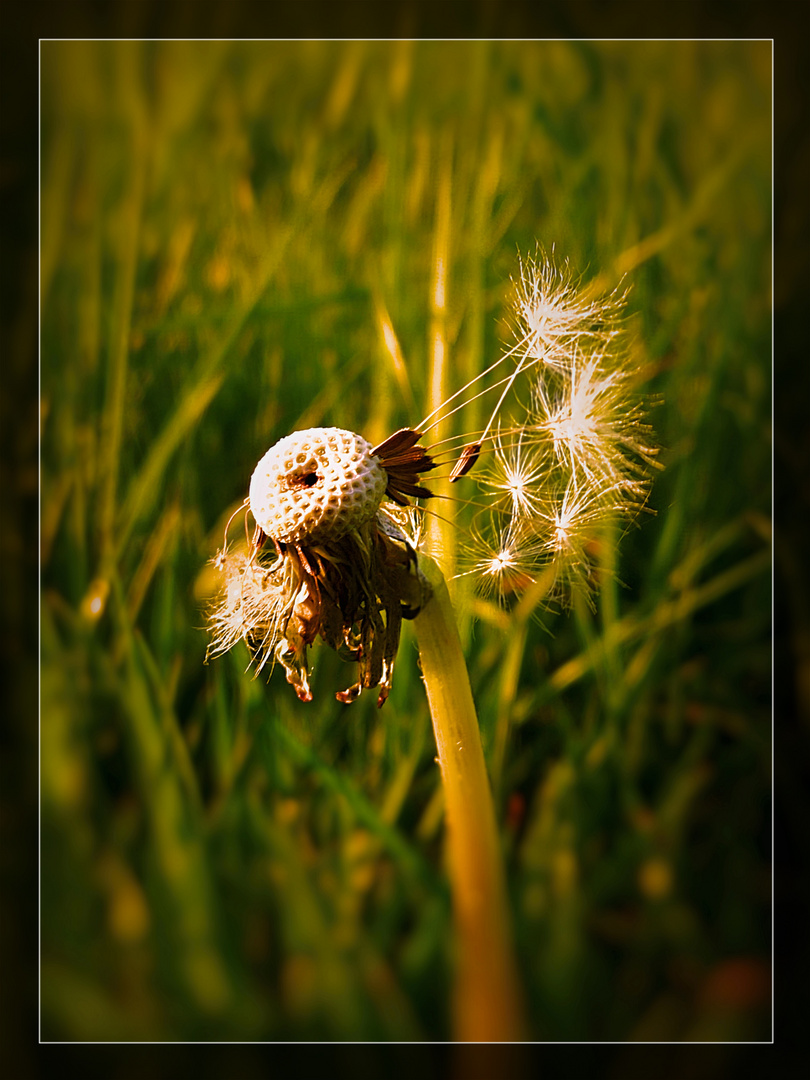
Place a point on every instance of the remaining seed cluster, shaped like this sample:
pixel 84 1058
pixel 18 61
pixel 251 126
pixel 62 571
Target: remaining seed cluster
pixel 316 485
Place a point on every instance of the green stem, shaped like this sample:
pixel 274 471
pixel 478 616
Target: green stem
pixel 487 1001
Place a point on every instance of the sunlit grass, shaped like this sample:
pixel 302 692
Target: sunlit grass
pixel 239 240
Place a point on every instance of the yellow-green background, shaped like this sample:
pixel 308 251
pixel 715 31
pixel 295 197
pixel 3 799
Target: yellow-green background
pixel 221 224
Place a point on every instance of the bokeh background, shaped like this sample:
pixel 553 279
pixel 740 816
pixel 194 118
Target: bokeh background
pixel 225 229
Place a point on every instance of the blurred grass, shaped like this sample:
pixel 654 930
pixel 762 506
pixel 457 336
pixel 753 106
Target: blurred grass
pixel 233 236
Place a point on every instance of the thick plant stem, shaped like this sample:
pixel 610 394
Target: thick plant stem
pixel 487 1000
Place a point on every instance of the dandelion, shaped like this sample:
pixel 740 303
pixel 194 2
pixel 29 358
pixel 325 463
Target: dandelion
pixel 335 555
pixel 337 532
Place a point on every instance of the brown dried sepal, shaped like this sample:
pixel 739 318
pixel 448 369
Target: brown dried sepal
pixel 404 462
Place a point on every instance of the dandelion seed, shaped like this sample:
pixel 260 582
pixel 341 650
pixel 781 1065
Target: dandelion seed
pixel 569 528
pixel 592 423
pixel 519 470
pixel 502 558
pixel 553 314
pixel 469 456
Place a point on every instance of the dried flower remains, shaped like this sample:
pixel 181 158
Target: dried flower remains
pixel 327 558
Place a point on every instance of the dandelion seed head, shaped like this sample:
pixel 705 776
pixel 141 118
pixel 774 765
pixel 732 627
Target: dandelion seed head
pixel 317 484
pixel 586 419
pixel 553 312
pixel 518 471
pixel 334 553
pixel 500 560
